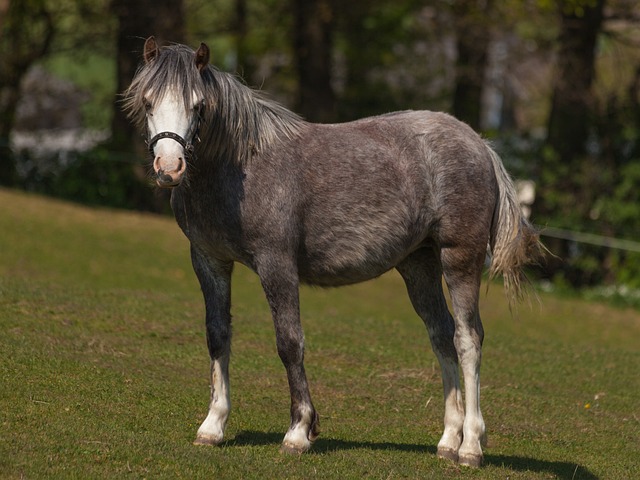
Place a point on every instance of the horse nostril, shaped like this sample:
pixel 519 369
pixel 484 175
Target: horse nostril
pixel 165 178
pixel 182 165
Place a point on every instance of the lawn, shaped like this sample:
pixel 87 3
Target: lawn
pixel 104 365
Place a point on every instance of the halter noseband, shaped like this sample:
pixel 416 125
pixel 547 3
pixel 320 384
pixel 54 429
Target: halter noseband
pixel 187 146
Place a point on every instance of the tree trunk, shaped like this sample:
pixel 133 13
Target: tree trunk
pixel 569 176
pixel 138 20
pixel 563 189
pixel 243 66
pixel 26 32
pixel 313 45
pixel 572 101
pixel 472 43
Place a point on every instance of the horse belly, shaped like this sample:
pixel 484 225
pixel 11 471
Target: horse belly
pixel 355 229
pixel 346 254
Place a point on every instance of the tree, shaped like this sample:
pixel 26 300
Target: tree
pixel 240 30
pixel 570 178
pixel 472 42
pixel 138 20
pixel 376 40
pixel 572 101
pixel 313 49
pixel 26 32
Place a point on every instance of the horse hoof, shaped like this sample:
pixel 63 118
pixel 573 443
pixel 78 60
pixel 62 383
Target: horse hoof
pixel 448 454
pixel 471 460
pixel 207 440
pixel 291 449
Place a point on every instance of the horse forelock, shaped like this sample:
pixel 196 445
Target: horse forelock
pixel 237 121
pixel 173 70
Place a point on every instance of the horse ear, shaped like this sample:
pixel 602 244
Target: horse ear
pixel 202 57
pixel 151 49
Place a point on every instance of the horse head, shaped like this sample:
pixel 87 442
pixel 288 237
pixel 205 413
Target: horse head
pixel 173 116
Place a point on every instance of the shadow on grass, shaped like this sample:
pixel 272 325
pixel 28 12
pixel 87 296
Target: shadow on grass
pixel 325 445
pixel 560 470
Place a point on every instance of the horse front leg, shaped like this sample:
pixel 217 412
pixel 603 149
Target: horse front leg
pixel 281 289
pixel 215 281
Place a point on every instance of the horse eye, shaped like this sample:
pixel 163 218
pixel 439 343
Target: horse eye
pixel 147 106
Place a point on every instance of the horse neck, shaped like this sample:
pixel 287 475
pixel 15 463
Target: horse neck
pixel 244 123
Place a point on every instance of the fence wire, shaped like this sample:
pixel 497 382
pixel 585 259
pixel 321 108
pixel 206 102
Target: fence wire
pixel 590 238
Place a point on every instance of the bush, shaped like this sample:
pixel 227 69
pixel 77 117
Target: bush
pixel 98 177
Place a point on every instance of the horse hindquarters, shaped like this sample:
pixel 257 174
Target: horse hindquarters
pixel 422 273
pixel 463 235
pixel 454 340
pixel 462 267
pixel 465 193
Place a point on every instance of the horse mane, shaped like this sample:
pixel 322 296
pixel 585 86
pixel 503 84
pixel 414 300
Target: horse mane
pixel 237 121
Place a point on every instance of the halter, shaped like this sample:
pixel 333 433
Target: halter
pixel 188 146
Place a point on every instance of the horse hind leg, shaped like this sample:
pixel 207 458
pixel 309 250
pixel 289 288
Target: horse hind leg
pixel 422 274
pixel 462 267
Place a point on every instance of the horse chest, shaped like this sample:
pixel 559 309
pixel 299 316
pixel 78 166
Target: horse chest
pixel 207 227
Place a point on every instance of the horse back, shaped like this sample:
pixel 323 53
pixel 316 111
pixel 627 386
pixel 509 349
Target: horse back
pixel 359 197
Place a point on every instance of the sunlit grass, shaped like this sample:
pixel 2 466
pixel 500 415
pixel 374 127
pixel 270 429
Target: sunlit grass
pixel 103 368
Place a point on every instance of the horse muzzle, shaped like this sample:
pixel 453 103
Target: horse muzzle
pixel 169 173
pixel 170 164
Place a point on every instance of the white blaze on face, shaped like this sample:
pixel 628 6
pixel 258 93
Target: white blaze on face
pixel 169 115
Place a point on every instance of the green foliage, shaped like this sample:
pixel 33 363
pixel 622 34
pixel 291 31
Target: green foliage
pixel 261 55
pixel 82 51
pixel 388 55
pixel 82 27
pixel 95 74
pixel 622 205
pixel 599 194
pixel 26 29
pixel 97 177
pixel 104 367
pixel 568 7
pixel 622 209
pixel 377 41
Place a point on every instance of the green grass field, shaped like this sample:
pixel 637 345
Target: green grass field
pixel 103 368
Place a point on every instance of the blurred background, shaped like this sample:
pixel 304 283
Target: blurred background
pixel 554 84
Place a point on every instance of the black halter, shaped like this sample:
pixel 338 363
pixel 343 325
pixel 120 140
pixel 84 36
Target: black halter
pixel 188 146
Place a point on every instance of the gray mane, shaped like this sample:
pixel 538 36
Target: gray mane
pixel 237 121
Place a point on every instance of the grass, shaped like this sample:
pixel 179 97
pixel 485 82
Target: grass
pixel 103 368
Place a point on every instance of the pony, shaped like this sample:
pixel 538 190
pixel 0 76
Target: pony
pixel 330 205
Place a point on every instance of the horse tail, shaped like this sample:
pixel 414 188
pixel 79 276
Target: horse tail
pixel 514 242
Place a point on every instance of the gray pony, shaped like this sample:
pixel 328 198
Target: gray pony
pixel 330 205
